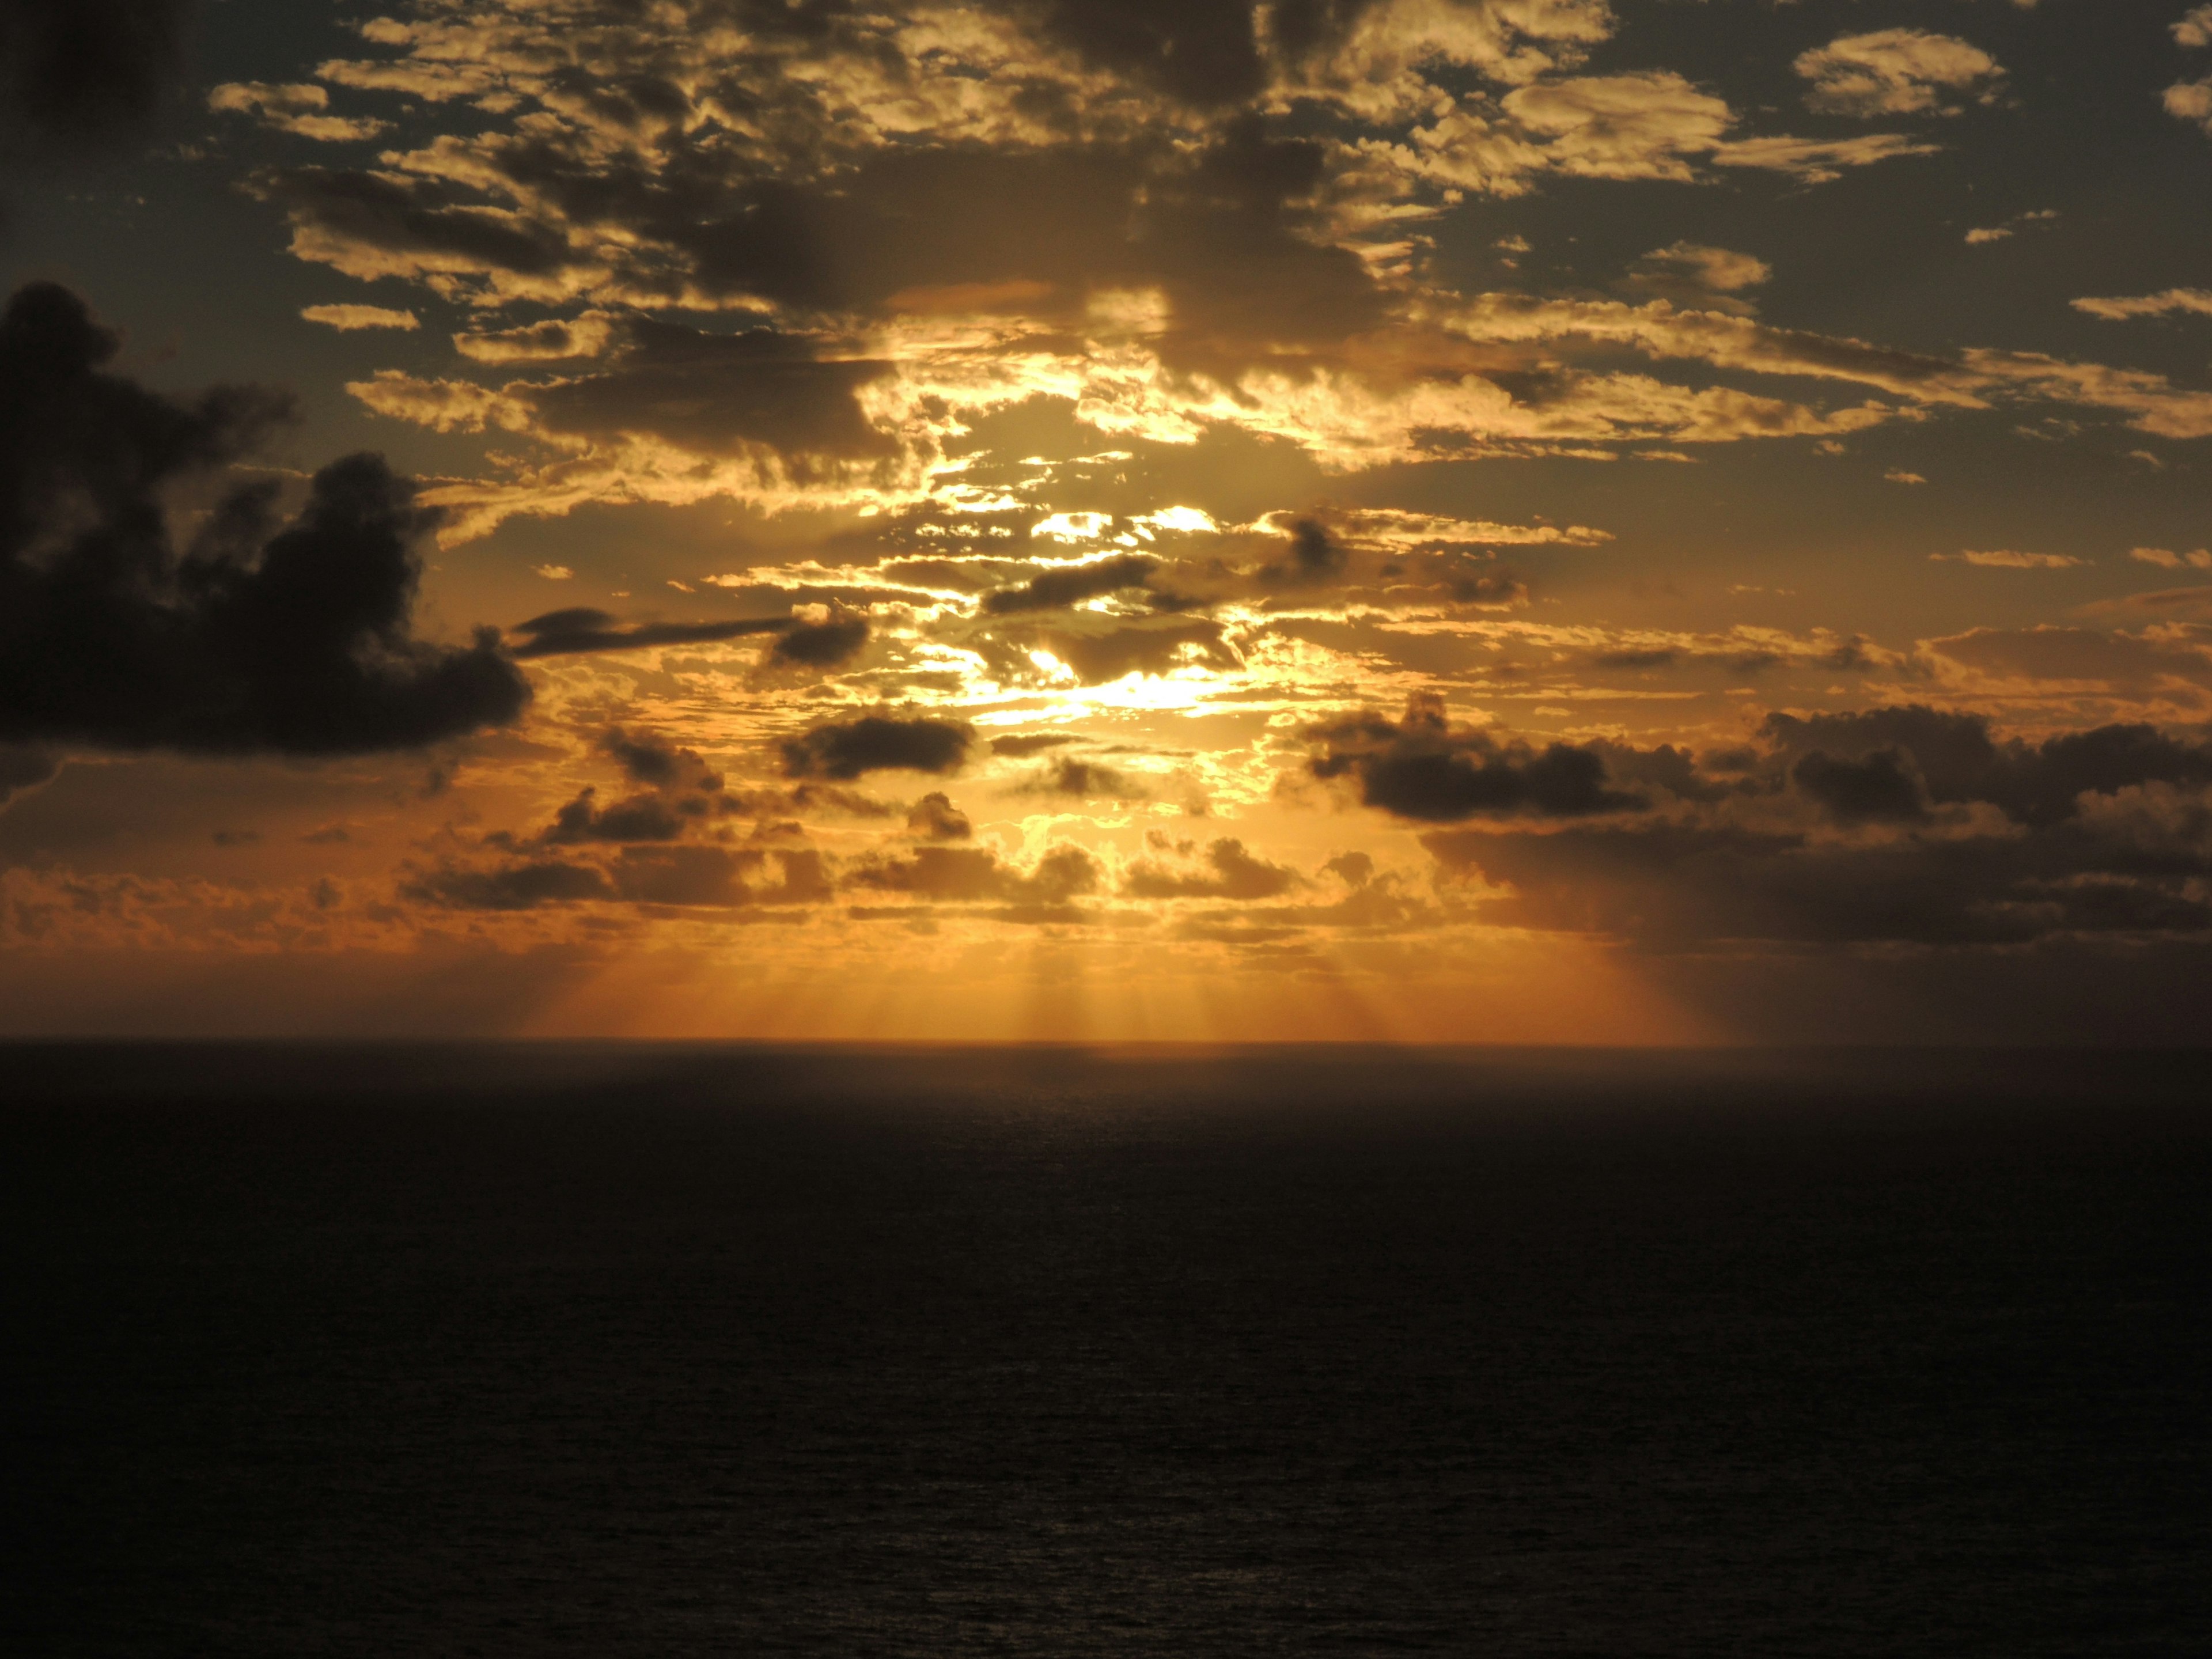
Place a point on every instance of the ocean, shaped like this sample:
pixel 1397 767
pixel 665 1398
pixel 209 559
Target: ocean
pixel 649 1350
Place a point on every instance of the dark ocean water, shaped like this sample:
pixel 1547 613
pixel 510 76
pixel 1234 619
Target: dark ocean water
pixel 677 1351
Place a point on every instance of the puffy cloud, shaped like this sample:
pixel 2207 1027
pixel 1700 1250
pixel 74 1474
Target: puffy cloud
pixel 2191 101
pixel 843 750
pixel 2196 28
pixel 934 817
pixel 296 639
pixel 1894 72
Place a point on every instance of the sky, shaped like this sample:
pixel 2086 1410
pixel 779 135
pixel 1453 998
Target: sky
pixel 1558 521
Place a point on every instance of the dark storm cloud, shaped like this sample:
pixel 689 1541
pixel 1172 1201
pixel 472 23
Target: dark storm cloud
pixel 1423 767
pixel 297 641
pixel 1232 873
pixel 1053 590
pixel 639 818
pixel 580 629
pixel 843 750
pixel 647 757
pixel 76 73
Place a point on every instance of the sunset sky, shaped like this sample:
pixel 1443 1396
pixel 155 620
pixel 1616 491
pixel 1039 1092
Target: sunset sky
pixel 1487 520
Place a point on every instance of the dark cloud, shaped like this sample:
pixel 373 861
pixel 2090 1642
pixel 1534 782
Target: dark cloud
pixel 974 875
pixel 1102 659
pixel 23 768
pixel 420 218
pixel 1051 590
pixel 510 887
pixel 720 393
pixel 296 640
pixel 1425 768
pixel 822 644
pixel 1668 883
pixel 76 73
pixel 1883 788
pixel 843 750
pixel 934 817
pixel 647 757
pixel 1232 873
pixel 1958 760
pixel 1024 745
pixel 691 877
pixel 1315 555
pixel 639 818
pixel 1205 53
pixel 1083 780
pixel 567 633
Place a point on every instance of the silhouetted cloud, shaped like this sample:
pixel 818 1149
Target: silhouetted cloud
pixel 1423 767
pixel 1882 788
pixel 822 644
pixel 296 639
pixel 843 750
pixel 580 628
pixel 1051 590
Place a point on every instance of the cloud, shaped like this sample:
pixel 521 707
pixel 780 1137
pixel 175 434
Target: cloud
pixel 2005 559
pixel 2194 29
pixel 1894 72
pixel 1423 768
pixel 934 817
pixel 580 628
pixel 301 110
pixel 1079 780
pixel 975 875
pixel 78 74
pixel 23 768
pixel 348 319
pixel 1864 830
pixel 843 750
pixel 2167 559
pixel 2196 300
pixel 1694 274
pixel 822 644
pixel 1230 872
pixel 295 640
pixel 2191 101
pixel 1062 586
